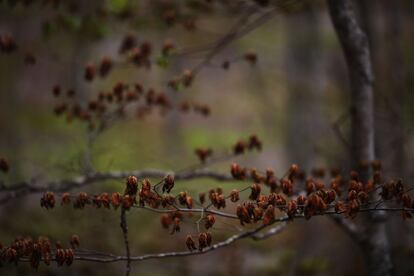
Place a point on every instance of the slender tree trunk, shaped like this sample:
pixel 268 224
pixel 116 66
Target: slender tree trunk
pixel 356 50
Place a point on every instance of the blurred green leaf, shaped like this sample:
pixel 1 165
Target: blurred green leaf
pixel 93 27
pixel 312 266
pixel 48 28
pixel 163 61
pixel 70 22
pixel 117 6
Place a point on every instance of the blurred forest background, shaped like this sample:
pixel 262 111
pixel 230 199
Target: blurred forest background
pixel 295 98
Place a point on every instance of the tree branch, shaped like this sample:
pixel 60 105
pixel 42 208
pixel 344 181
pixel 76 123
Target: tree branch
pixel 101 257
pixel 270 233
pixel 25 188
pixel 124 227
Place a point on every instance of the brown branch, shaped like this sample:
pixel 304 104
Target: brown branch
pixel 270 233
pixel 124 227
pixel 101 257
pixel 336 126
pixel 241 28
pixel 25 188
pixel 110 258
pixel 187 210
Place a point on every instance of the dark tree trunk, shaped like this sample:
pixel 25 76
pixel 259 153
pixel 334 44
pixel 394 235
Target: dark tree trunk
pixel 356 50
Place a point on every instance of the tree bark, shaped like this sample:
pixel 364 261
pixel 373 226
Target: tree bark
pixel 356 49
pixel 355 46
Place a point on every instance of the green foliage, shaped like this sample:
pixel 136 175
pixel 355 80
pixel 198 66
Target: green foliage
pixel 118 6
pixel 49 28
pixel 93 27
pixel 69 22
pixel 163 62
pixel 312 266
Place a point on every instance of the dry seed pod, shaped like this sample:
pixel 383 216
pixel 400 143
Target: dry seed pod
pixel 65 199
pixel 209 221
pixel 269 215
pixel 239 147
pixel 168 184
pixel 74 241
pixel 90 72
pixel 190 243
pixel 203 154
pixel 69 256
pixel 167 47
pixel 255 143
pixel 292 208
pixel 166 221
pixel 189 202
pixel 237 172
pixel 255 191
pixel 234 195
pixel 7 44
pixel 187 78
pixel 128 43
pixel 48 200
pixel 4 165
pixel 202 198
pixel 105 66
pixel 131 186
pixel 202 241
pixel 116 200
pixel 251 57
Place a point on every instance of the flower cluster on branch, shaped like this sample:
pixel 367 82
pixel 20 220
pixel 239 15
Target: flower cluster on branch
pixel 290 197
pixel 37 250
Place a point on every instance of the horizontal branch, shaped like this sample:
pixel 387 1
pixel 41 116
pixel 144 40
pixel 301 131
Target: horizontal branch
pixel 25 188
pixel 94 256
pixel 187 210
pixel 110 258
pixel 270 233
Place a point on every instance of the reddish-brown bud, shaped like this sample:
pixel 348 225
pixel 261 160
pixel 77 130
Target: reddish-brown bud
pixel 189 242
pixel 234 195
pixel 251 57
pixel 255 191
pixel 4 165
pixel 90 72
pixel 74 241
pixel 105 66
pixel 209 221
pixel 168 184
pixel 48 200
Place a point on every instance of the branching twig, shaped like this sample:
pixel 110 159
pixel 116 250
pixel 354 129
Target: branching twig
pixel 336 126
pixel 241 28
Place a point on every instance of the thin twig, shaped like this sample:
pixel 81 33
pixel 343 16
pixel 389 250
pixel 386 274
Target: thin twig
pixel 336 126
pixel 124 227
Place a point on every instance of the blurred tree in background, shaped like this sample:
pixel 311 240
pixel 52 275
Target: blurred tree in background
pixel 94 92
